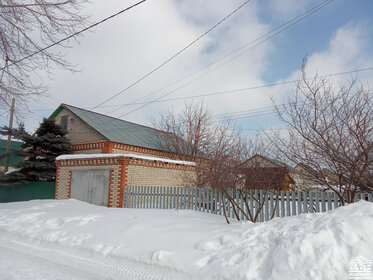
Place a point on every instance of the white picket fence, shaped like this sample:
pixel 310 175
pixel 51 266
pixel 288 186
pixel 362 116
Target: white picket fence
pixel 257 205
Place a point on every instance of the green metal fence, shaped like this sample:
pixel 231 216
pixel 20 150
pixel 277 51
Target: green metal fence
pixel 32 190
pixel 254 205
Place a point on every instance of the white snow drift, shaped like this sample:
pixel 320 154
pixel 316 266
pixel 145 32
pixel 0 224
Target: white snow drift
pixel 190 244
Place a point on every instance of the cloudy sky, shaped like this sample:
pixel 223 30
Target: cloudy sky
pixel 261 44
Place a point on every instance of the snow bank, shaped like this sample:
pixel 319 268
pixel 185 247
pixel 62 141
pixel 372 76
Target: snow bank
pixel 87 156
pixel 308 246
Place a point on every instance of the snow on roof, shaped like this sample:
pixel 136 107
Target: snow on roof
pixel 86 156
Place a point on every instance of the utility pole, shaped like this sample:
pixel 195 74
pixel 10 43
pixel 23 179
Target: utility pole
pixel 6 167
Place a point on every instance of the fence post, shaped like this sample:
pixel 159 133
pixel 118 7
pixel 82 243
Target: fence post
pixel 287 203
pixel 311 201
pixel 323 206
pixel 143 196
pixel 196 201
pixel 237 201
pixel 172 198
pixel 161 196
pixel 329 199
pixel 188 197
pixel 317 201
pixel 208 200
pixel 139 196
pixel 335 196
pixel 242 205
pixel 305 200
pixel 278 198
pixel 151 197
pixel 260 208
pixel 204 200
pixel 215 201
pixel 229 206
pixel 182 197
pixel 147 196
pixel 158 202
pixel 293 203
pixel 282 203
pixel 135 196
pixel 299 201
pixel 271 202
pixel 266 206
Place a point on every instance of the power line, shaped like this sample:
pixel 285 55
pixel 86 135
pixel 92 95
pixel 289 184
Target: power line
pixel 239 90
pixel 172 57
pixel 305 15
pixel 295 20
pixel 246 88
pixel 236 90
pixel 254 112
pixel 73 35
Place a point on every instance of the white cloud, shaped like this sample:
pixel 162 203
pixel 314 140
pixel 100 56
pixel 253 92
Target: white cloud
pixel 122 50
pixel 347 51
pixel 281 9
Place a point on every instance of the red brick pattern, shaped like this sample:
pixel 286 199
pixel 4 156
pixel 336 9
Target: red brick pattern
pixel 118 173
pixel 63 183
pixel 109 147
pixel 89 146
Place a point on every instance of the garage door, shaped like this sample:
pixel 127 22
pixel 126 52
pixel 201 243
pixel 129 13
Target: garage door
pixel 91 186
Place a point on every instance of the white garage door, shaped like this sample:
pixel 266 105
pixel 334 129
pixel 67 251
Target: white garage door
pixel 91 186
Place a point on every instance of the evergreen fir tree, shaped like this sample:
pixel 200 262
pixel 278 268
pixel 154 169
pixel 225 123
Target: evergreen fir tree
pixel 39 152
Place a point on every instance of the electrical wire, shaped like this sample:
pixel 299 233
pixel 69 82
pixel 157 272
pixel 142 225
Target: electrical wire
pixel 73 35
pixel 294 20
pixel 172 57
pixel 313 10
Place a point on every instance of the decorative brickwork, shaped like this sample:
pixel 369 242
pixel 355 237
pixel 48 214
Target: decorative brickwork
pixel 89 147
pixel 124 170
pixel 63 183
pixel 115 187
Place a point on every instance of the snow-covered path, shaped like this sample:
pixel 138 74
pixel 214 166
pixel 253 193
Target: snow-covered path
pixel 69 239
pixel 19 265
pixel 22 259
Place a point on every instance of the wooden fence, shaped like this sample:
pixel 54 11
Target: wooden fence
pixel 255 205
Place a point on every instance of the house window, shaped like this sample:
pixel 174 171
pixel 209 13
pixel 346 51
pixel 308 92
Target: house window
pixel 64 123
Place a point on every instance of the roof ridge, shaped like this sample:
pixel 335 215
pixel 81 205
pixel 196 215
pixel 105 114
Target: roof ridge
pixel 101 114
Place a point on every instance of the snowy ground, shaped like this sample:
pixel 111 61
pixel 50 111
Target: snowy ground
pixel 68 239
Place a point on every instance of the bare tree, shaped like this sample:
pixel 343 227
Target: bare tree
pixel 218 149
pixel 330 131
pixel 27 27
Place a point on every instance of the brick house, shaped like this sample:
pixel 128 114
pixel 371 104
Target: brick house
pixel 309 176
pixel 262 172
pixel 110 153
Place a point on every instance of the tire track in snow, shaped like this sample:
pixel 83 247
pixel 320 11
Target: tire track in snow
pixel 106 267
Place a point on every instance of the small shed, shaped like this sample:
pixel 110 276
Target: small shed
pixel 101 178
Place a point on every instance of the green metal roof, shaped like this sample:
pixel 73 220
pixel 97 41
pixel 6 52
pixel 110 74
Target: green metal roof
pixel 117 130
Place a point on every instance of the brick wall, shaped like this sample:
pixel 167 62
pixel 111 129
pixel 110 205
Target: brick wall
pixel 151 176
pixel 139 175
pixel 119 148
pixel 115 165
pixel 124 171
pixel 63 182
pixel 78 131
